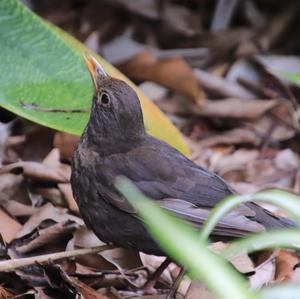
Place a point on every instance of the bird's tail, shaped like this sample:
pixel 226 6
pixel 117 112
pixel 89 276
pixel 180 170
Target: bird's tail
pixel 285 222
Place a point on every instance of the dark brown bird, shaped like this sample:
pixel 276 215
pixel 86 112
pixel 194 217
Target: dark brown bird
pixel 115 143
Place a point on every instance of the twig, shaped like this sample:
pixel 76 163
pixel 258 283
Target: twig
pixel 11 265
pixel 267 139
pixel 38 108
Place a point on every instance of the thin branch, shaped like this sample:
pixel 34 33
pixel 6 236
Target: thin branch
pixel 12 265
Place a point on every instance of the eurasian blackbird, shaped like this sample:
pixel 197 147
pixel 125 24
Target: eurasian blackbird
pixel 115 143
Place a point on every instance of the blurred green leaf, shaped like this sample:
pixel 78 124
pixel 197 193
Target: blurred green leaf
pixel 40 68
pixel 287 201
pixel 182 243
pixel 281 291
pixel 293 77
pixel 284 238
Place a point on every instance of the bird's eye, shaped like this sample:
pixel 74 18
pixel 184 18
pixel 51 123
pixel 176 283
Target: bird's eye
pixel 104 99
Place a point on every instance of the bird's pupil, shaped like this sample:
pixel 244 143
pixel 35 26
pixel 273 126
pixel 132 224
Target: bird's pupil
pixel 104 99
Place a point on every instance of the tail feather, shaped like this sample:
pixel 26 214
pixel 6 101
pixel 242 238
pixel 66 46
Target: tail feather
pixel 287 222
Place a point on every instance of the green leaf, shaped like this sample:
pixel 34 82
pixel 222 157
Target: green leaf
pixel 293 77
pixel 281 291
pixel 284 238
pixel 40 67
pixel 182 243
pixel 285 200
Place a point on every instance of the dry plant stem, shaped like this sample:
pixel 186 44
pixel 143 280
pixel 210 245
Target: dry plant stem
pixel 11 265
pixel 176 284
pixel 152 280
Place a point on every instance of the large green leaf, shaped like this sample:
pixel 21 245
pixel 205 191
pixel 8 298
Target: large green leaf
pixel 40 67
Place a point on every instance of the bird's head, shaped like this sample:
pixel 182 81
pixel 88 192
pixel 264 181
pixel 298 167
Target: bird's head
pixel 116 111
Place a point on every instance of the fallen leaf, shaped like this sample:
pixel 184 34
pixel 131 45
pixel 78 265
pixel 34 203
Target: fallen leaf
pixel 38 143
pixel 295 276
pixel 85 238
pixel 237 160
pixel 285 264
pixel 122 258
pixel 66 191
pixel 241 262
pixel 263 275
pixel 52 194
pixel 152 262
pixel 197 290
pixel 9 227
pixel 38 171
pixel 234 136
pixel 237 108
pixel 48 211
pixel 43 236
pixel 221 86
pixel 173 73
pixel 66 143
pixel 6 293
pixel 16 208
pixel 287 160
pixel 67 285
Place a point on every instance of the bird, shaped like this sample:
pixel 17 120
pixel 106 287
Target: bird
pixel 115 143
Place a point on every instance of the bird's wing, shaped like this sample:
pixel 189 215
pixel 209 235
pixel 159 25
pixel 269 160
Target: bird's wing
pixel 177 184
pixel 234 224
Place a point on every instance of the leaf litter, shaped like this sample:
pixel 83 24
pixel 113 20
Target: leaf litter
pixel 221 81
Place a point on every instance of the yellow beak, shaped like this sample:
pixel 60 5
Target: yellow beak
pixel 95 69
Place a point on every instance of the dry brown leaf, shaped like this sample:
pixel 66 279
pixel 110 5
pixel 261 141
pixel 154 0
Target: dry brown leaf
pixel 280 132
pixel 264 174
pixel 41 237
pixel 48 211
pixel 155 296
pixel 60 280
pixel 40 294
pixel 234 136
pixel 197 290
pixel 235 161
pixel 38 143
pixel 224 108
pixel 85 238
pixel 6 293
pixel 285 263
pixel 152 262
pixel 244 188
pixel 122 258
pixel 117 258
pixel 263 275
pixel 173 73
pixel 241 262
pixel 9 181
pixel 237 108
pixel 287 160
pixel 16 208
pixel 52 194
pixel 221 86
pixel 66 143
pixel 66 191
pixel 37 171
pixel 296 187
pixel 295 276
pixel 9 227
